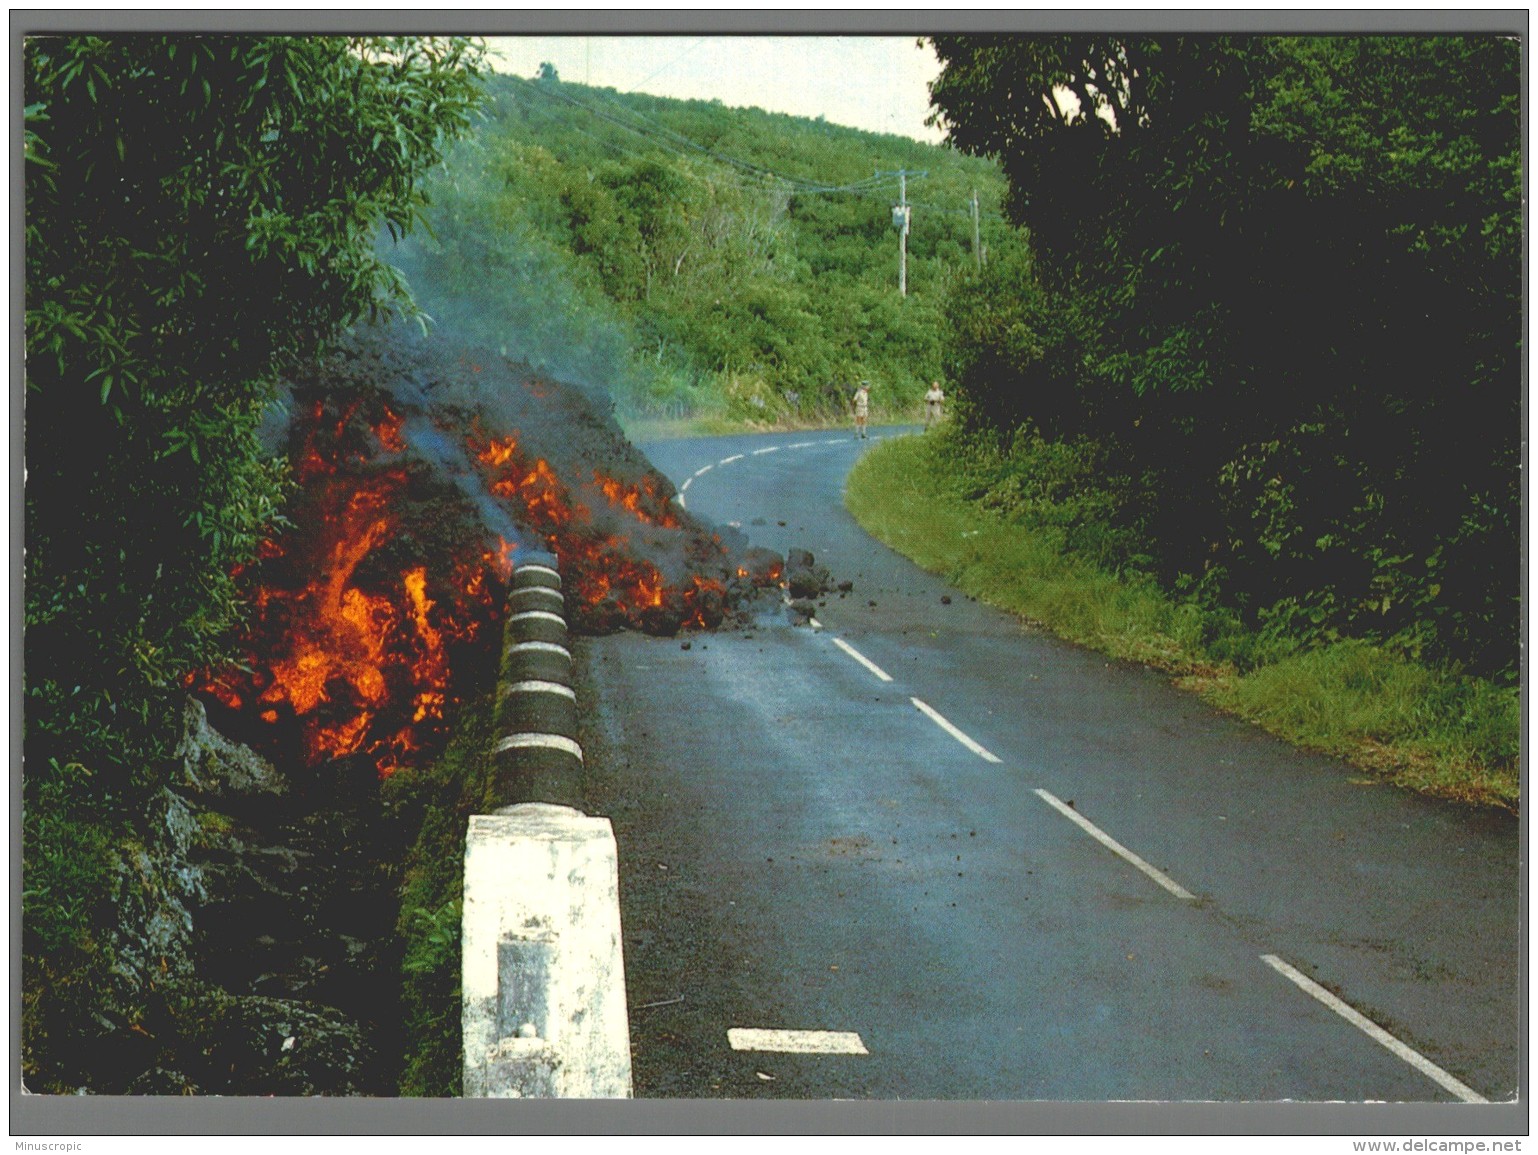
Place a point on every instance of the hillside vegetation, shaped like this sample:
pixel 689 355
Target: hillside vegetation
pixel 699 260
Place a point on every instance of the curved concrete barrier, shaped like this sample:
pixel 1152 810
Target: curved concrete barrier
pixel 540 706
pixel 537 757
pixel 544 1012
pixel 550 661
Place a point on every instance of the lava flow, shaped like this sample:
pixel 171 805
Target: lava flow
pixel 420 473
pixel 355 622
pixel 604 557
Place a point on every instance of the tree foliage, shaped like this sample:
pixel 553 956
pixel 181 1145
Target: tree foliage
pixel 1283 279
pixel 198 211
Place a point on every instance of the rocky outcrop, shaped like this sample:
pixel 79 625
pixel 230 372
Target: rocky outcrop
pixel 250 929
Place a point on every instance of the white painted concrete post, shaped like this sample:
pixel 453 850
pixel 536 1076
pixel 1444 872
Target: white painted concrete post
pixel 544 1011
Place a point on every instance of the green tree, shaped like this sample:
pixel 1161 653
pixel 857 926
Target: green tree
pixel 1292 270
pixel 199 210
pixel 684 225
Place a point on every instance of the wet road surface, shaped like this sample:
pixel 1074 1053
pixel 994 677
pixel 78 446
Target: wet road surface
pixel 961 859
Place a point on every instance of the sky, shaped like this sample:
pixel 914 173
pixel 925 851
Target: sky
pixel 877 83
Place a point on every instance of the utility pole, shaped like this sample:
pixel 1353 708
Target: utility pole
pixel 901 216
pixel 977 249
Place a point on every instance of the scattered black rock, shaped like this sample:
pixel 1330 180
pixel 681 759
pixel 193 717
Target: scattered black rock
pixel 945 599
pixel 804 578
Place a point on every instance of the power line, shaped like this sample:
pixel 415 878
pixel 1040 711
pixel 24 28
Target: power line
pixel 865 188
pixel 762 179
pixel 674 61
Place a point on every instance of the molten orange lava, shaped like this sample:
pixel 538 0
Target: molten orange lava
pixel 349 653
pixel 600 567
pixel 388 430
pixel 641 501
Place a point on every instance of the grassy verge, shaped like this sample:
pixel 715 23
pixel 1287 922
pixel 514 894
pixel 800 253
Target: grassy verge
pixel 1425 729
pixel 721 425
pixel 436 802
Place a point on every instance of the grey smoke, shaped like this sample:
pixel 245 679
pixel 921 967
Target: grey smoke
pixel 453 462
pixel 508 289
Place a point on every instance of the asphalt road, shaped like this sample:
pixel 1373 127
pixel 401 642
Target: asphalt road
pixel 874 829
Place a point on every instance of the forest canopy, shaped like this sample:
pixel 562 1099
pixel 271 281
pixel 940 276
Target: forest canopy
pixel 1277 280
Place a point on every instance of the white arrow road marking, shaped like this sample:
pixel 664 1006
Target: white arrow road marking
pixel 1115 847
pixel 796 1042
pixel 1371 1029
pixel 935 717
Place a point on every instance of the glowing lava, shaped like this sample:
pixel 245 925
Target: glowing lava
pixel 351 643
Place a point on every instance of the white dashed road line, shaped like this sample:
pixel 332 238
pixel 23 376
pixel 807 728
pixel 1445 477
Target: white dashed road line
pixel 1422 1064
pixel 850 1043
pixel 704 469
pixel 862 659
pixel 796 1042
pixel 1115 847
pixel 935 717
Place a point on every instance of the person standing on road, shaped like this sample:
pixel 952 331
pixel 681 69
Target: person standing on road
pixel 861 407
pixel 934 403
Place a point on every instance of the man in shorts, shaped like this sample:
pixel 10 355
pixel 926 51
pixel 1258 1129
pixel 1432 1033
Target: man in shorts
pixel 861 407
pixel 934 403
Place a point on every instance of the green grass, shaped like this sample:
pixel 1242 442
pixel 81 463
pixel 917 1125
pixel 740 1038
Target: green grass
pixel 436 801
pixel 641 428
pixel 1425 729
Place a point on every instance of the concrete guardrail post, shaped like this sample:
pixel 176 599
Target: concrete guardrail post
pixel 544 1010
pixel 544 1005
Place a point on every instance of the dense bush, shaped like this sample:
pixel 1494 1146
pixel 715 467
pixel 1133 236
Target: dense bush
pixel 198 210
pixel 1278 280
